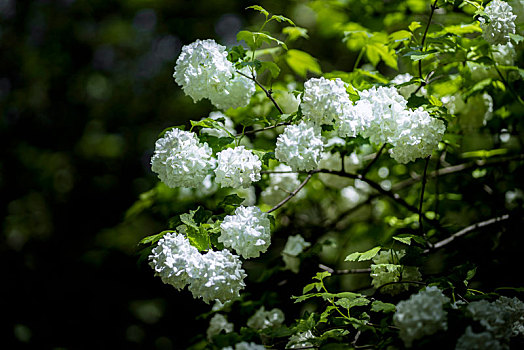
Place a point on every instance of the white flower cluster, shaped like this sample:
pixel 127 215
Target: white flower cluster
pixel 300 146
pixel 477 341
pixel 245 346
pixel 413 134
pixel 422 314
pixel 503 318
pixel 180 160
pixel 213 275
pixel 247 232
pixel 294 246
pixel 501 22
pixel 218 324
pixel 386 269
pixel 280 185
pixel 203 71
pixel 264 319
pixel 324 100
pixel 237 167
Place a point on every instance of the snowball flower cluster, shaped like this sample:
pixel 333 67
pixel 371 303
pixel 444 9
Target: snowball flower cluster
pixel 203 71
pixel 180 160
pixel 477 341
pixel 503 318
pixel 218 324
pixel 245 346
pixel 300 146
pixel 294 246
pixel 501 22
pixel 264 319
pixel 422 314
pixel 237 167
pixel 280 185
pixel 214 275
pixel 247 232
pixel 175 260
pixel 300 340
pixel 324 100
pixel 386 269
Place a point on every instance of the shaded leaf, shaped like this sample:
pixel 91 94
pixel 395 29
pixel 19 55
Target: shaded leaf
pixel 367 255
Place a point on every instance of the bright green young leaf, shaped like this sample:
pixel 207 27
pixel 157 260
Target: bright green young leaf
pixel 249 38
pixel 294 33
pixel 419 55
pixel 264 37
pixel 349 303
pixel 154 238
pixel 367 255
pixel 280 18
pixel 301 62
pixel 462 29
pixel 485 153
pixel 414 26
pixel 259 9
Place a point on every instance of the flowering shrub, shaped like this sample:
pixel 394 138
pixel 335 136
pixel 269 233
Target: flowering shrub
pixel 307 167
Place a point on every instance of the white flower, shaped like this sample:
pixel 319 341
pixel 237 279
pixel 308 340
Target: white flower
pixel 217 324
pixel 299 146
pixel 387 108
pixel 504 318
pixel 180 160
pixel 502 22
pixel 300 340
pixel 246 346
pixel 236 93
pixel 203 71
pixel 237 167
pixel 505 55
pixel 247 232
pixel 294 246
pixel 352 121
pixel 386 269
pixel 477 341
pixel 323 100
pixel 422 314
pixel 280 185
pixel 263 319
pixel 175 260
pixel 220 277
pixel 418 135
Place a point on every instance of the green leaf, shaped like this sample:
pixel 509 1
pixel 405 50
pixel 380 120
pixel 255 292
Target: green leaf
pixel 267 157
pixel 377 51
pixel 264 37
pixel 217 144
pixel 230 203
pixel 294 33
pixel 321 275
pixel 236 53
pixel 485 153
pixel 405 240
pixel 414 26
pixel 367 255
pixel 379 306
pixel 154 238
pixel 349 303
pixel 249 38
pixel 259 9
pixel 309 287
pixel 419 55
pixel 301 62
pixel 206 123
pixel 198 237
pixel 273 69
pixel 462 29
pixel 280 18
pixel 181 127
pixel 516 38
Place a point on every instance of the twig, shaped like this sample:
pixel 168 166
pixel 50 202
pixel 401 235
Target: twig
pixel 466 230
pixel 268 92
pixel 266 128
pixel 423 81
pixel 421 227
pixel 506 83
pixel 377 155
pixel 343 272
pixel 291 195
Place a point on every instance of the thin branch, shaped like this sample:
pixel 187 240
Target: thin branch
pixel 267 92
pixel 506 83
pixel 467 230
pixel 421 226
pixel 343 272
pixel 291 195
pixel 399 282
pixel 377 155
pixel 266 128
pixel 423 81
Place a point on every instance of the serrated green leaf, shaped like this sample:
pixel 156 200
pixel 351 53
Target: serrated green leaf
pixel 230 203
pixel 321 275
pixel 379 306
pixel 259 9
pixel 236 53
pixel 163 132
pixel 367 255
pixel 308 287
pixel 349 303
pixel 301 62
pixel 404 240
pixel 154 238
pixel 401 35
pixel 414 26
pixel 199 238
pixel 206 123
pixel 280 18
pixel 273 69
pixel 249 38
pixel 419 55
pixel 294 33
